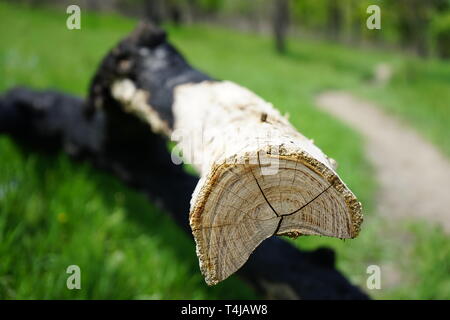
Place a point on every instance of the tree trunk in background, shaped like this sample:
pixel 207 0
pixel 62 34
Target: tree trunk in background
pixel 174 12
pixel 154 11
pixel 442 34
pixel 443 44
pixel 413 25
pixel 334 19
pixel 421 27
pixel 280 24
pixel 93 5
pixel 356 22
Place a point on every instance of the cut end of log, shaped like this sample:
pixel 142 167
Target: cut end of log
pixel 238 206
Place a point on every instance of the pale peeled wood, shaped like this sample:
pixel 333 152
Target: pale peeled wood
pixel 234 138
pixel 227 132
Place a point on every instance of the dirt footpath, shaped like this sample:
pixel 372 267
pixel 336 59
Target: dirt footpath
pixel 413 176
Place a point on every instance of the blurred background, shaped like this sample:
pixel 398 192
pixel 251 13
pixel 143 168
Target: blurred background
pixel 55 212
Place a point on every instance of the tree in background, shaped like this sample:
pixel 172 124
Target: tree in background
pixel 414 23
pixel 421 26
pixel 440 28
pixel 335 18
pixel 154 11
pixel 280 24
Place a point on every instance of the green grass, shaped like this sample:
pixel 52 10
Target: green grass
pixel 54 212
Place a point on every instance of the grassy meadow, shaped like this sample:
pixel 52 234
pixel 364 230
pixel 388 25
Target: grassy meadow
pixel 55 212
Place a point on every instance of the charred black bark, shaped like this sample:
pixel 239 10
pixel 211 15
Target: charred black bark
pixel 152 63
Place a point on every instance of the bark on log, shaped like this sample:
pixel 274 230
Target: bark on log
pixel 53 121
pixel 259 176
pixel 145 83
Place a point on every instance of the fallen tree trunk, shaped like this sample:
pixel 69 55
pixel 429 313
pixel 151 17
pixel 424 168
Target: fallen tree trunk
pixel 51 121
pixel 145 84
pixel 259 176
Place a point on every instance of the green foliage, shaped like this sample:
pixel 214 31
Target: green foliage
pixel 309 13
pixel 55 213
pixel 415 25
pixel 210 5
pixel 418 93
pixel 441 33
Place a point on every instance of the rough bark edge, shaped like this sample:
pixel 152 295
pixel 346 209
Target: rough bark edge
pixel 203 191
